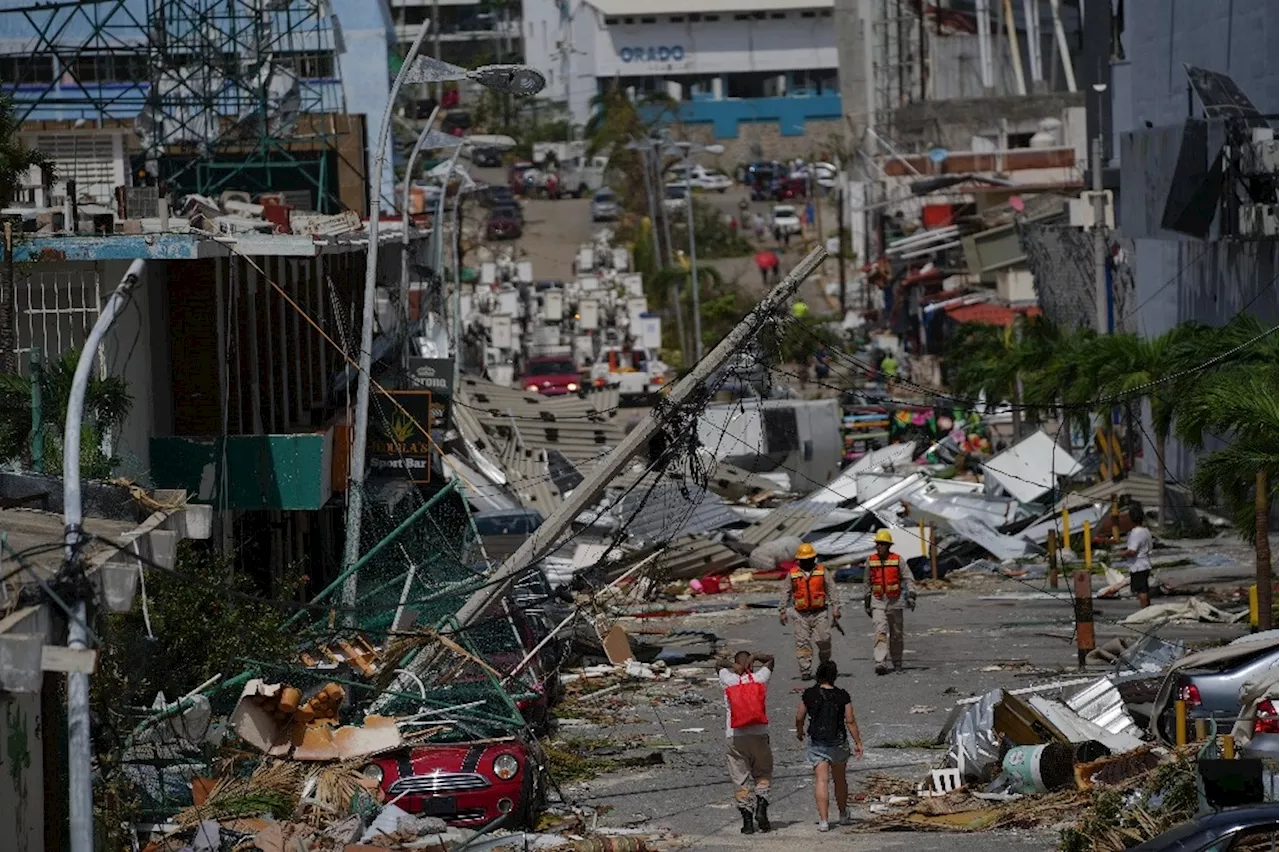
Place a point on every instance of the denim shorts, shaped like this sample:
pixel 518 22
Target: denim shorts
pixel 822 753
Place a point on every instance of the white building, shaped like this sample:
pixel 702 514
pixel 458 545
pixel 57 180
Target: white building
pixel 767 63
pixel 470 32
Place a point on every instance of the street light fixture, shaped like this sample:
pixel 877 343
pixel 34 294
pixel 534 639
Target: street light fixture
pixel 685 149
pixel 514 79
pixel 427 139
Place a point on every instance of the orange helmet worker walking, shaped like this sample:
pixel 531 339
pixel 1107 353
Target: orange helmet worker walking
pixel 811 592
pixel 887 592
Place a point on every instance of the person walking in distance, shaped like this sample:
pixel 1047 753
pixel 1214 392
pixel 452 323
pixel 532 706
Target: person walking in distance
pixel 811 592
pixel 831 725
pixel 888 590
pixel 1138 548
pixel 747 730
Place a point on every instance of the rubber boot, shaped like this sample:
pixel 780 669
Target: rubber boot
pixel 762 814
pixel 748 825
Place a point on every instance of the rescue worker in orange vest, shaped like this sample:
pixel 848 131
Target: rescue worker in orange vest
pixel 888 590
pixel 811 592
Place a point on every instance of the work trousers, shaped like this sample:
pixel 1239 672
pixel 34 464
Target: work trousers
pixel 750 768
pixel 886 615
pixel 812 628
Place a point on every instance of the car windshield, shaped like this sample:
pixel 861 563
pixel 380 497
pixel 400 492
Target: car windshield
pixel 783 212
pixel 675 192
pixel 551 368
pixel 604 195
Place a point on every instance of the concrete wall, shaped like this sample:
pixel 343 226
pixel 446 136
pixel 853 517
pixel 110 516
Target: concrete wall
pixel 21 774
pixel 1178 279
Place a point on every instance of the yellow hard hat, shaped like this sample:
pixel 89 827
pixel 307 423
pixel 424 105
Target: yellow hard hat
pixel 884 537
pixel 806 551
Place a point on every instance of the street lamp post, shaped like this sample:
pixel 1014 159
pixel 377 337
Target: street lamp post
pixel 426 139
pixel 685 149
pixel 517 79
pixel 467 185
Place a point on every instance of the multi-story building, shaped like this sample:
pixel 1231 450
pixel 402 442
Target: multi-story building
pixel 469 32
pixel 96 86
pixel 758 76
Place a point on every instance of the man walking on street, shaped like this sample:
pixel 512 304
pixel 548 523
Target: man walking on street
pixel 747 730
pixel 888 590
pixel 811 591
pixel 1138 548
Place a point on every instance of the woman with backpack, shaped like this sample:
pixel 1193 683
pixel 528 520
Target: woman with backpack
pixel 830 713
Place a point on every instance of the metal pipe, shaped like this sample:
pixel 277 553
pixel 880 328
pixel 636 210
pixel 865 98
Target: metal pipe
pixel 37 411
pixel 693 254
pixel 982 14
pixel 1011 27
pixel 79 754
pixel 360 432
pixel 457 281
pixel 1031 11
pixel 404 213
pixel 1100 291
pixel 1063 49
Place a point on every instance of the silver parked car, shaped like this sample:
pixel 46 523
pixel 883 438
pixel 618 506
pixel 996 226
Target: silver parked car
pixel 604 206
pixel 1210 682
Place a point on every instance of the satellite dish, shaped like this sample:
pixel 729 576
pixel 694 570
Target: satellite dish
pixel 938 155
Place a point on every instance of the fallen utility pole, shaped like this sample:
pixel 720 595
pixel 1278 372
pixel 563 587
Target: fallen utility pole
pixel 545 538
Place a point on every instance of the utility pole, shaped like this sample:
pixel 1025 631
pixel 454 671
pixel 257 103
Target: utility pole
pixel 1099 239
pixel 545 539
pixel 844 302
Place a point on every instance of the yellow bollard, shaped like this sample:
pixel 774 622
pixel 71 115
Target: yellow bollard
pixel 1088 548
pixel 1180 722
pixel 1115 519
pixel 1228 747
pixel 924 545
pixel 1066 528
pixel 1253 606
pixel 1202 730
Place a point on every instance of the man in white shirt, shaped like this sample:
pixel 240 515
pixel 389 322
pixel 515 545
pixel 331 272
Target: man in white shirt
pixel 750 756
pixel 1138 548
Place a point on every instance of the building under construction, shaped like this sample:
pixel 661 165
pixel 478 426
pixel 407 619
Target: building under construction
pixel 197 95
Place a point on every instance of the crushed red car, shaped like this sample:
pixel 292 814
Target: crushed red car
pixel 551 375
pixel 467 784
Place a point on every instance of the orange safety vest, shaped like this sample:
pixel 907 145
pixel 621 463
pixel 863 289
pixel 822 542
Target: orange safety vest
pixel 886 576
pixel 809 591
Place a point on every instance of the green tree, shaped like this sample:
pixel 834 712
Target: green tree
pixel 106 406
pixel 1136 368
pixel 615 122
pixel 1234 397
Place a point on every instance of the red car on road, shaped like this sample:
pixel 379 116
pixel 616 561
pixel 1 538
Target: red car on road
pixel 551 375
pixel 467 784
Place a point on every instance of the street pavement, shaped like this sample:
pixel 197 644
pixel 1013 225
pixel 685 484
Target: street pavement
pixel 958 644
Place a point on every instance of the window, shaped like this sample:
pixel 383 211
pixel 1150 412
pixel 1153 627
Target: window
pixel 826 13
pixel 759 16
pixel 809 14
pixel 1259 839
pixel 677 19
pixel 778 15
pixel 628 20
pixel 1020 140
pixel 611 22
pixel 693 19
pixel 710 17
pixel 742 17
pixel 781 434
pixel 648 20
pixel 25 70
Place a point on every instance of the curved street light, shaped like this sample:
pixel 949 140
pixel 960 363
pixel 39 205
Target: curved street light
pixel 514 79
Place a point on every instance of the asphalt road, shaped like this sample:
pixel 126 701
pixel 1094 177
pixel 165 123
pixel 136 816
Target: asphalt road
pixel 958 644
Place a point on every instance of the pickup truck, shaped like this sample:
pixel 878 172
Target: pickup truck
pixel 785 220
pixel 583 175
pixel 635 373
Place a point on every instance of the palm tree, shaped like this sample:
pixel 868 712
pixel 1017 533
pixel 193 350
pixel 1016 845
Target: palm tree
pixel 106 406
pixel 615 122
pixel 15 161
pixel 1136 368
pixel 1241 405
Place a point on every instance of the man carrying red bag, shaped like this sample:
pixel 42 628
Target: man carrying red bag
pixel 747 729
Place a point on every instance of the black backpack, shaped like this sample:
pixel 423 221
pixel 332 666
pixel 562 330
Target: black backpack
pixel 826 723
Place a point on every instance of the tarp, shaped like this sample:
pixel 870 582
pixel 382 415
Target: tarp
pixel 1031 467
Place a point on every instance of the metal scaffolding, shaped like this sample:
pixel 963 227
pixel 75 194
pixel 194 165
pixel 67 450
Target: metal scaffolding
pixel 222 93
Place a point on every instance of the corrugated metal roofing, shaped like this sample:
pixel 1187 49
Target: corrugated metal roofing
pixel 1031 467
pixel 482 494
pixel 989 313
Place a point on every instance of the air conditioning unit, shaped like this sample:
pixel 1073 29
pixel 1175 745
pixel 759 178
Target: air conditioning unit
pixel 1258 220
